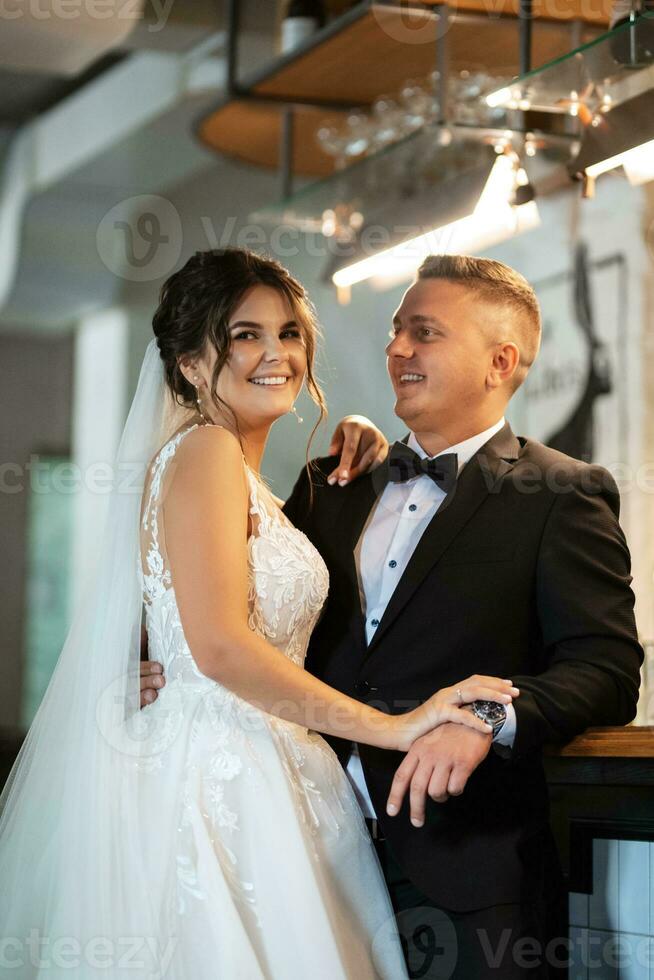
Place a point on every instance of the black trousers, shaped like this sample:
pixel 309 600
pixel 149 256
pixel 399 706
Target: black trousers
pixel 503 942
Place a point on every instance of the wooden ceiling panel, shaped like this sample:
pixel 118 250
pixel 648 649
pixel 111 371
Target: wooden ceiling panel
pixel 251 132
pixel 373 53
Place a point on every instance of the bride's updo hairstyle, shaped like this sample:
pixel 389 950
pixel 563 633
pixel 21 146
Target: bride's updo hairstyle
pixel 195 307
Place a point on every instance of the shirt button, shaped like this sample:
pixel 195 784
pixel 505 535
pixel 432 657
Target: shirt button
pixel 413 506
pixel 392 563
pixel 374 622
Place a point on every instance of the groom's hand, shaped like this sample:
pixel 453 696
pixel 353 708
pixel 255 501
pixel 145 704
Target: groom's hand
pixel 437 765
pixel 152 680
pixel 361 447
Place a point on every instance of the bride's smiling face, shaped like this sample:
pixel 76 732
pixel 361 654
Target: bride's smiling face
pixel 267 360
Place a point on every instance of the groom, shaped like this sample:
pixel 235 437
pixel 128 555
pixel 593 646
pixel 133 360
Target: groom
pixel 508 560
pixel 500 556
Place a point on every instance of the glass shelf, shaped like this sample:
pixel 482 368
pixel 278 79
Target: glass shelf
pixel 428 175
pixel 592 79
pixel 402 169
pixel 370 51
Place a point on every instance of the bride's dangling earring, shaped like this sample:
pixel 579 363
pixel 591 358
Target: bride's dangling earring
pixel 298 417
pixel 197 400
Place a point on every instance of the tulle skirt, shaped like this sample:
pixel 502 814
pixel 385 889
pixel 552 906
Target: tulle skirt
pixel 258 858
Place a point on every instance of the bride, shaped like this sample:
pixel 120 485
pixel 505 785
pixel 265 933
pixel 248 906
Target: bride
pixel 213 835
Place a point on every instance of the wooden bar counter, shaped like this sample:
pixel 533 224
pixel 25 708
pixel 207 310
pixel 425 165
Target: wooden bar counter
pixel 601 787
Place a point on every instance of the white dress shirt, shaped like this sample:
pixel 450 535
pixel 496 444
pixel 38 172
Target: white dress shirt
pixel 390 536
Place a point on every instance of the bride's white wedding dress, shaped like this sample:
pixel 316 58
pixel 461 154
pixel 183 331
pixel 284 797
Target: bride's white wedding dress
pixel 258 857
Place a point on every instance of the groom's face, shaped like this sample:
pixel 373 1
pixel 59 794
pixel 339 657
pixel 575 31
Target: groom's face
pixel 440 353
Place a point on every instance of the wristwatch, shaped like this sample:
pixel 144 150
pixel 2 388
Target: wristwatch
pixel 491 712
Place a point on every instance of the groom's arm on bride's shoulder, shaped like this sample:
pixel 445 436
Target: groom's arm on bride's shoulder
pixel 360 445
pixel 585 609
pixel 357 444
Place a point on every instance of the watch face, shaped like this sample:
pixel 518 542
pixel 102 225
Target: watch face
pixel 491 711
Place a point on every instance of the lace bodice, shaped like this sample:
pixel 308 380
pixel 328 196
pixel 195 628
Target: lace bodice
pixel 288 581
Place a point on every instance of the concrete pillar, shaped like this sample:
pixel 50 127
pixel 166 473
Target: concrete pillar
pixel 99 410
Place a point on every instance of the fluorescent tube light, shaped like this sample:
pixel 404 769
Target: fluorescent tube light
pixel 638 164
pixel 494 219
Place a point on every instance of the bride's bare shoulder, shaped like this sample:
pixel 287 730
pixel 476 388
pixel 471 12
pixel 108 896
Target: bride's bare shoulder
pixel 171 446
pixel 208 442
pixel 207 471
pixel 208 454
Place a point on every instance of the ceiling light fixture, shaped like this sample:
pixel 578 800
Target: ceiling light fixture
pixel 624 137
pixel 638 164
pixel 494 218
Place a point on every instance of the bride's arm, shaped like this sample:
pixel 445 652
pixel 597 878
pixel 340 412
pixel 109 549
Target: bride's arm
pixel 206 526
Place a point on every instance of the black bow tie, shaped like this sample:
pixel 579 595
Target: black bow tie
pixel 404 464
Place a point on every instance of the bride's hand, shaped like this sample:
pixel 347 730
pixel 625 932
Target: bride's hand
pixel 449 704
pixel 361 446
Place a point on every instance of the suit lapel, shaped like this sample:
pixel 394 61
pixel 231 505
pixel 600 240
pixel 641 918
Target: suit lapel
pixel 482 475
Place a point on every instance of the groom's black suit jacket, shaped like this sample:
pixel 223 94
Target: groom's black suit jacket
pixel 523 573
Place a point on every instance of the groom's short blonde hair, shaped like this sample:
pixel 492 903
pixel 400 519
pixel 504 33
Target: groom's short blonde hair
pixel 498 284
